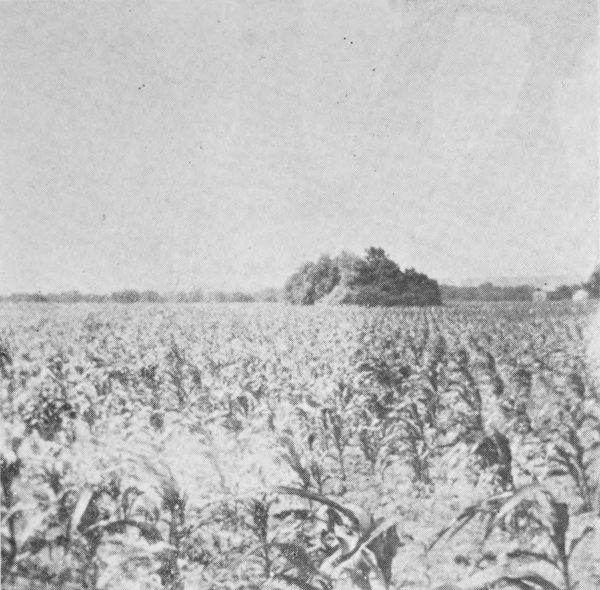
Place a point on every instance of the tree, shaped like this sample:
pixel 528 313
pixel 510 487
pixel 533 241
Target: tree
pixel 375 280
pixel 151 297
pixel 561 292
pixel 312 281
pixel 350 267
pixel 382 272
pixel 297 288
pixel 379 281
pixel 126 296
pixel 593 284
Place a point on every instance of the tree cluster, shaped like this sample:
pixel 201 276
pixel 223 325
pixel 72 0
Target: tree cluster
pixel 490 292
pixel 373 280
pixel 487 292
pixel 592 286
pixel 130 296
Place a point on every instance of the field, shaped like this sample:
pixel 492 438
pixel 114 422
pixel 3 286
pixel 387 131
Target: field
pixel 257 446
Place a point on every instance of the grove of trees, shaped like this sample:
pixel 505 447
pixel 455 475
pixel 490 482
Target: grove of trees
pixel 593 284
pixel 373 280
pixel 487 292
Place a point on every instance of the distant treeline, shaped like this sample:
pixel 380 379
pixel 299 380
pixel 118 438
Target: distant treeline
pixel 490 292
pixel 135 296
pixel 487 292
pixel 316 280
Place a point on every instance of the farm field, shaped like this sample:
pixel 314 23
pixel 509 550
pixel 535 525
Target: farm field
pixel 263 446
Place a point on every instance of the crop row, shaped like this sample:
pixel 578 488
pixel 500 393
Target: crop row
pixel 263 446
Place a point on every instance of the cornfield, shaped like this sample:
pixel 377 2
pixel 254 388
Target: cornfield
pixel 257 446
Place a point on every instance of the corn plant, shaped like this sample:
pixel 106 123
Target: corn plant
pixel 10 468
pixel 395 414
pixel 6 360
pixel 520 380
pixel 541 522
pixel 462 382
pixel 337 419
pixel 574 451
pixel 491 453
pixel 414 439
pixel 167 526
pixel 433 376
pixel 361 548
pixel 307 460
pixel 378 390
pixel 65 528
pixel 108 514
pixel 176 372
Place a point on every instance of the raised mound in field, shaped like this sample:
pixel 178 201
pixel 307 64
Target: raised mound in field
pixel 374 280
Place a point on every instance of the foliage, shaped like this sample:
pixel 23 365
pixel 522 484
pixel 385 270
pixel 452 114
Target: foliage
pixel 487 292
pixel 360 547
pixel 313 281
pixel 176 447
pixel 374 280
pixel 593 283
pixel 540 525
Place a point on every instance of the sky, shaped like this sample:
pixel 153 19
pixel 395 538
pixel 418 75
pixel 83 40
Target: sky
pixel 170 145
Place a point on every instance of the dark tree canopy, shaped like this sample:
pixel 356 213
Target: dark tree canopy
pixel 487 292
pixel 375 280
pixel 593 285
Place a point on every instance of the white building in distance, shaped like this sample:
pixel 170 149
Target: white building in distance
pixel 581 295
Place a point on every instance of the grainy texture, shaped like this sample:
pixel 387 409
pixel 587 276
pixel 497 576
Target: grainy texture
pixel 146 446
pixel 163 162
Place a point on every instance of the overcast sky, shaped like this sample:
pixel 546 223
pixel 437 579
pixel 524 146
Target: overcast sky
pixel 171 144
